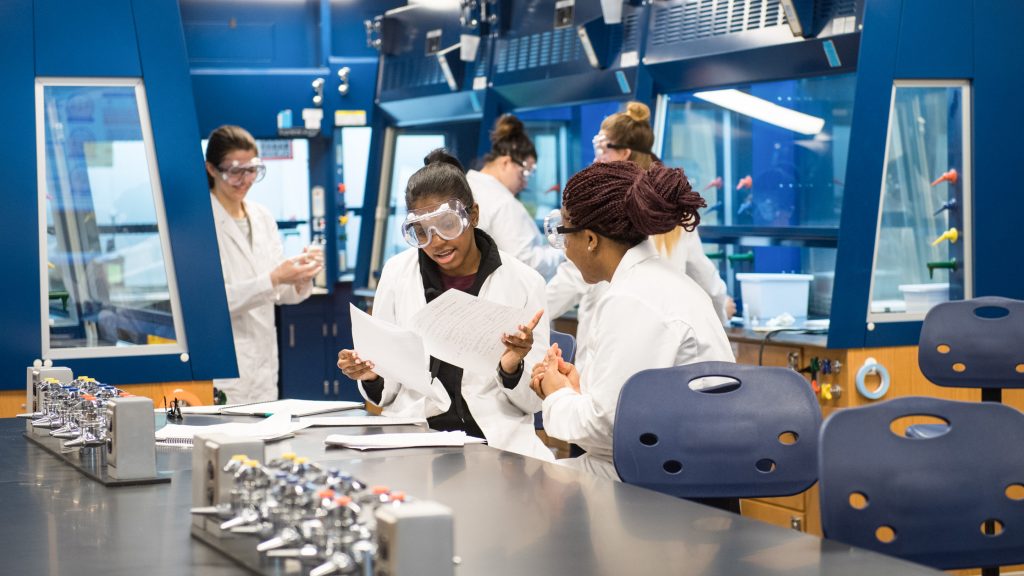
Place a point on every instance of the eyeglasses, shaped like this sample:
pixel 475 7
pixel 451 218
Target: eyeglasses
pixel 527 171
pixel 253 170
pixel 448 220
pixel 555 232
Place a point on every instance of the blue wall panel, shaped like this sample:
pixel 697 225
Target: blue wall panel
pixel 186 196
pixel 21 337
pixel 228 33
pixel 362 85
pixel 95 38
pixel 864 174
pixel 998 117
pixel 252 98
pixel 936 39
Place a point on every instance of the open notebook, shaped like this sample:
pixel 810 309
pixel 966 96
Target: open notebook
pixel 273 428
pixel 291 406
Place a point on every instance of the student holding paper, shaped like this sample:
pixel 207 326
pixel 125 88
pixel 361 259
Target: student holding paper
pixel 651 316
pixel 454 254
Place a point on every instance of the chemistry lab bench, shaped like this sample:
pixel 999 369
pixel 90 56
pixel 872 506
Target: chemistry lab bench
pixel 513 515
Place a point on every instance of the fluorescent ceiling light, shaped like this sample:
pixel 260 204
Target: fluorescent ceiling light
pixel 763 110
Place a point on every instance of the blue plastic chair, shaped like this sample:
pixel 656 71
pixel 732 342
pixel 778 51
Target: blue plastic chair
pixel 759 438
pixel 933 495
pixel 974 344
pixel 567 344
pixel 971 344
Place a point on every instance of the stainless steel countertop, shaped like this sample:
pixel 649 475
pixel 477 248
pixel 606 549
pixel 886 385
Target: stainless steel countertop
pixel 513 516
pixel 783 338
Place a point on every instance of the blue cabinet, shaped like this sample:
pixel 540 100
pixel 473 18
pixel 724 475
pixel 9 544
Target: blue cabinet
pixel 309 337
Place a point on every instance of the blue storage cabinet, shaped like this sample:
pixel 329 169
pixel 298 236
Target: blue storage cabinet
pixel 310 335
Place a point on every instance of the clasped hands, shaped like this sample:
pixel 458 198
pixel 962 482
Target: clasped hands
pixel 553 374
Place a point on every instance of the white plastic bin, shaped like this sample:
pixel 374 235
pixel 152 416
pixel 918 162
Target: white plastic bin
pixel 766 296
pixel 921 297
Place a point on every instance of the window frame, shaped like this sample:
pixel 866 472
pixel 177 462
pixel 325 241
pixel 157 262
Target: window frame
pixel 180 346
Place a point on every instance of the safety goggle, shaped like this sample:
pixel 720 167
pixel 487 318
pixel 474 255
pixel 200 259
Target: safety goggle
pixel 554 231
pixel 448 220
pixel 527 171
pixel 237 173
pixel 602 145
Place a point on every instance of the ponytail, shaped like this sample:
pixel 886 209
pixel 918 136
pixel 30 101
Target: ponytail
pixel 442 175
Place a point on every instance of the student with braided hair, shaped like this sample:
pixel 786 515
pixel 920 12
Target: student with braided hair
pixel 651 316
pixel 628 136
pixel 507 167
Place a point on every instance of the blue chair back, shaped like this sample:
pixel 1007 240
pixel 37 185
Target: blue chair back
pixel 728 442
pixel 566 343
pixel 934 494
pixel 974 344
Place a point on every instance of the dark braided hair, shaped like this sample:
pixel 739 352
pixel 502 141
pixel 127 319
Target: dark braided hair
pixel 621 201
pixel 442 175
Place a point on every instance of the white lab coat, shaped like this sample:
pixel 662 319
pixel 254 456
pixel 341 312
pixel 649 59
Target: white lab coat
pixel 567 288
pixel 650 316
pixel 505 416
pixel 688 255
pixel 251 300
pixel 506 220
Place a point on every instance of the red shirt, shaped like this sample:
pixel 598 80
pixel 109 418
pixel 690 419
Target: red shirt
pixel 463 283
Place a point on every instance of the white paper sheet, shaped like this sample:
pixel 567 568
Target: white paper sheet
pixel 362 421
pixel 290 406
pixel 277 426
pixel 465 331
pixel 397 354
pixel 407 440
pixel 215 409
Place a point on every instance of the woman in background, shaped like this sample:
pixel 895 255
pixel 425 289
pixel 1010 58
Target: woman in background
pixel 453 253
pixel 504 175
pixel 628 136
pixel 256 274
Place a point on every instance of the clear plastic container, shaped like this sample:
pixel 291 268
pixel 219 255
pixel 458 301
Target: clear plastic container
pixel 921 297
pixel 767 296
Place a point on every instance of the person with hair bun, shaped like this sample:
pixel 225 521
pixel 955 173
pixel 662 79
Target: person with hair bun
pixel 454 254
pixel 651 315
pixel 628 136
pixel 504 175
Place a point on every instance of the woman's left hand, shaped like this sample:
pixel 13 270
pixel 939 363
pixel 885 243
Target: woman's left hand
pixel 518 344
pixel 553 374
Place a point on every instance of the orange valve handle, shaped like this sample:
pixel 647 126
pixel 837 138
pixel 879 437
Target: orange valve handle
pixel 950 176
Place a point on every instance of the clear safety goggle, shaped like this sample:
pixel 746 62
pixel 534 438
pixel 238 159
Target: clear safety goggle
pixel 554 231
pixel 448 220
pixel 602 145
pixel 237 173
pixel 527 171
